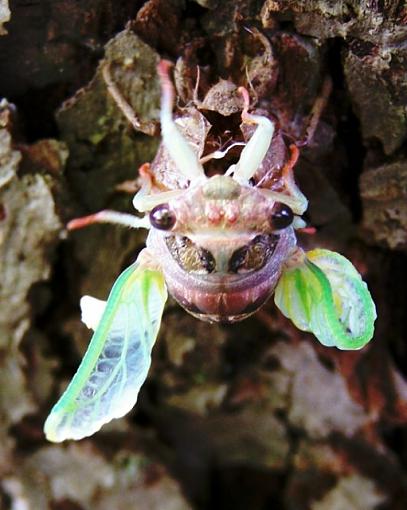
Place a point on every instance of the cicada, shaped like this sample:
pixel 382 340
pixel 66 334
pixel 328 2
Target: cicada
pixel 221 244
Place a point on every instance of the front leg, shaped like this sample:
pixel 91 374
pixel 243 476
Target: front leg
pixel 258 145
pixel 178 147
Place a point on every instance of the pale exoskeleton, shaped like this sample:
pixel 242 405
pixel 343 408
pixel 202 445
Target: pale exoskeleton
pixel 221 245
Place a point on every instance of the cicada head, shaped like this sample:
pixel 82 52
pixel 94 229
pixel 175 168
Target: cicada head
pixel 221 246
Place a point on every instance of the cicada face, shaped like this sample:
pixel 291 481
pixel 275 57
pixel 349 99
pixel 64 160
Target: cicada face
pixel 221 247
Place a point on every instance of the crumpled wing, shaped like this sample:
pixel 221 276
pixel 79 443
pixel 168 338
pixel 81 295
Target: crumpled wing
pixel 118 358
pixel 327 296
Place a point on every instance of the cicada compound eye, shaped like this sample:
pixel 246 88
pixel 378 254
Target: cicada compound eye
pixel 162 217
pixel 281 216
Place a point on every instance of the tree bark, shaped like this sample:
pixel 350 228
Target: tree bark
pixel 256 415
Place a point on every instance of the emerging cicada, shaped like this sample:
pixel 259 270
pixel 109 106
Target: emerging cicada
pixel 222 245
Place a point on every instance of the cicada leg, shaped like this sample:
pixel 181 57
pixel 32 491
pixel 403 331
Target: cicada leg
pixel 292 195
pixel 149 128
pixel 287 171
pixel 108 216
pixel 316 112
pixel 178 147
pixel 145 178
pixel 291 187
pixel 256 148
pixel 145 200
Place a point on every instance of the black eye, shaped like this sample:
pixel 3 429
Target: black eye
pixel 281 216
pixel 162 217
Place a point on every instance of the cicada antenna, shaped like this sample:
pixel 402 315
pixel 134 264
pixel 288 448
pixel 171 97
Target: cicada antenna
pixel 198 79
pixel 249 82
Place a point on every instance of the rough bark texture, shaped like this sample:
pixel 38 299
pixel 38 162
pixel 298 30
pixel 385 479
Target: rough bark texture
pixel 256 415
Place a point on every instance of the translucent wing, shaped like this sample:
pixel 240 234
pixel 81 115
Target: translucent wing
pixel 116 363
pixel 327 296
